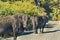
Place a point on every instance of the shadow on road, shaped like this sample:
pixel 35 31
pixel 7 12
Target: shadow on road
pixel 52 31
pixel 26 33
pixel 30 32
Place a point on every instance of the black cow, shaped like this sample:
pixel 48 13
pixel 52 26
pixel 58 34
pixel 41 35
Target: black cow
pixel 39 22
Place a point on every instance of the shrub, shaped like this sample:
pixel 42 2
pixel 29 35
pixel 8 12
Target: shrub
pixel 26 8
pixel 55 14
pixel 18 7
pixel 4 8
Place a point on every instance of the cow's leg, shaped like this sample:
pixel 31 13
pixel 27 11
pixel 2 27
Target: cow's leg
pixel 36 29
pixel 32 19
pixel 2 35
pixel 40 28
pixel 14 31
pixel 43 27
pixel 25 19
pixel 34 26
pixel 21 28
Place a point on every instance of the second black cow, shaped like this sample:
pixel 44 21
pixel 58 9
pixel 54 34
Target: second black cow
pixel 39 22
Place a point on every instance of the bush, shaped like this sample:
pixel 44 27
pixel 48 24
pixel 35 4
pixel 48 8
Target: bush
pixel 26 8
pixel 18 7
pixel 55 14
pixel 4 8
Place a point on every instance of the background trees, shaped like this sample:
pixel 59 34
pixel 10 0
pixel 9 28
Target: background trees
pixel 30 7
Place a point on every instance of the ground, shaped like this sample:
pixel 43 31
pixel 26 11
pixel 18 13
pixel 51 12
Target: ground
pixel 51 32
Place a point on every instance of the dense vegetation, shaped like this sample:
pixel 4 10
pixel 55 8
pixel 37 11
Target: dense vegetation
pixel 28 7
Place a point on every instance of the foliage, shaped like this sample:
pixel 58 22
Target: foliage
pixel 7 8
pixel 55 6
pixel 4 8
pixel 28 7
pixel 56 10
pixel 55 14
